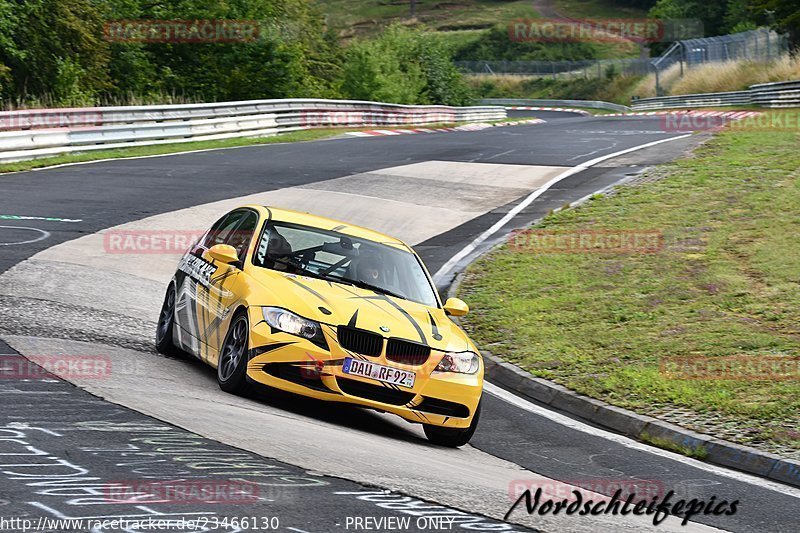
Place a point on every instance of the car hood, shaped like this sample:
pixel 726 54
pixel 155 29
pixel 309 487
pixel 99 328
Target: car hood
pixel 340 304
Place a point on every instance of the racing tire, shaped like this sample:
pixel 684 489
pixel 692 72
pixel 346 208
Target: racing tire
pixel 233 356
pixel 452 437
pixel 166 323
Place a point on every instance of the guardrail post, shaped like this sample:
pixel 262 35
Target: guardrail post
pixel 768 48
pixel 658 84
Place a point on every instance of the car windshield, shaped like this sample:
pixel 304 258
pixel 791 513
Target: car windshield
pixel 341 258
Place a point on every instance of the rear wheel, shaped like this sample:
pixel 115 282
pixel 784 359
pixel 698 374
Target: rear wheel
pixel 452 437
pixel 232 364
pixel 166 321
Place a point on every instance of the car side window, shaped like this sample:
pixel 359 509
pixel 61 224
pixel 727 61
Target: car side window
pixel 223 228
pixel 241 236
pixel 235 229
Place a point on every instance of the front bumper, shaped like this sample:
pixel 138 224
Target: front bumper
pixel 296 365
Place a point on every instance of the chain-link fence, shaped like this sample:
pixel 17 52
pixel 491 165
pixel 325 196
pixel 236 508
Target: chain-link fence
pixel 762 45
pixel 590 68
pixel 758 45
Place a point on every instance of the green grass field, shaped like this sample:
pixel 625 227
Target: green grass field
pixel 596 9
pixel 456 23
pixel 356 17
pixel 725 283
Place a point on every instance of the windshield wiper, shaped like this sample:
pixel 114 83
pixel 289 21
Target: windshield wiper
pixel 365 285
pixel 347 281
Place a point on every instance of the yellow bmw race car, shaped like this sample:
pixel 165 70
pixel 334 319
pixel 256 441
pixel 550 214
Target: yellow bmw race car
pixel 325 309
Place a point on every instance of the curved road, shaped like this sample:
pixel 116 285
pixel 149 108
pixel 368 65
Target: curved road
pixel 317 467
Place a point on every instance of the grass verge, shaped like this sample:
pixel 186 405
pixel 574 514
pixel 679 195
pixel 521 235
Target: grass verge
pixel 726 282
pixel 665 444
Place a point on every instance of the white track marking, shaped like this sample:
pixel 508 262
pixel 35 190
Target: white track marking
pixel 42 235
pixel 453 261
pixel 571 423
pixel 47 219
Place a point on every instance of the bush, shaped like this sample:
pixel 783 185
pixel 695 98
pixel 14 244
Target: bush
pixel 496 45
pixel 377 70
pixel 402 66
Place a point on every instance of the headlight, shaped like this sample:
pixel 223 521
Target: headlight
pixel 460 362
pixel 289 322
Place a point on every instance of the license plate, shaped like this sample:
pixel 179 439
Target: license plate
pixel 387 374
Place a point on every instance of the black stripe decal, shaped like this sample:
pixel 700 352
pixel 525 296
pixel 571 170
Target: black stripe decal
pixel 434 328
pixel 353 319
pixel 309 289
pixel 405 314
pixel 366 298
pixel 260 350
pixel 421 415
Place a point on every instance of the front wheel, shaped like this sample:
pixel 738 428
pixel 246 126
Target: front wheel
pixel 452 437
pixel 232 364
pixel 166 321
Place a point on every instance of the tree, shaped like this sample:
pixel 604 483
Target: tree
pixel 292 55
pixel 384 68
pixel 712 14
pixel 54 48
pixel 783 15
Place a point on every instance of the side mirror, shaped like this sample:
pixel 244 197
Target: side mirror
pixel 456 307
pixel 222 253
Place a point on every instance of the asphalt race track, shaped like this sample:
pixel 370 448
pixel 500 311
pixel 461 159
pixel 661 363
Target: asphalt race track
pixel 316 467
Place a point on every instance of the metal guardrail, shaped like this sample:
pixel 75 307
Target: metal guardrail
pixel 774 95
pixel 779 94
pixel 592 104
pixel 28 134
pixel 735 98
